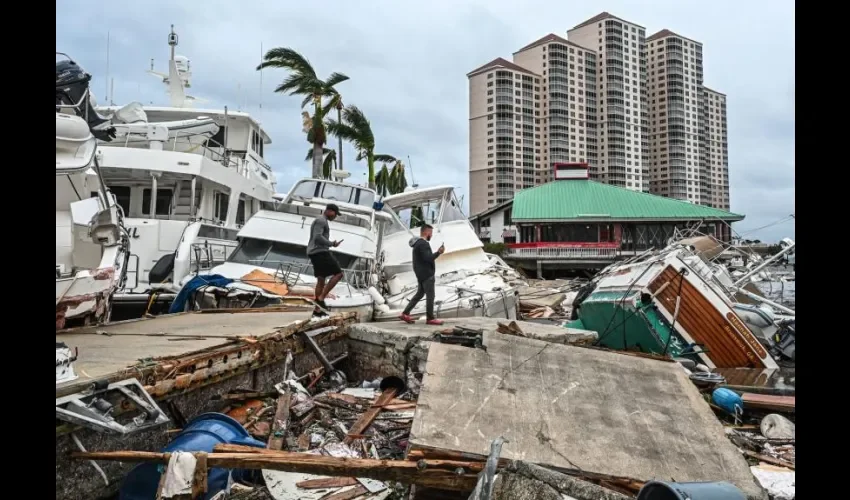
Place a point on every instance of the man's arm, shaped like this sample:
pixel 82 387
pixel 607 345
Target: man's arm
pixel 316 230
pixel 423 250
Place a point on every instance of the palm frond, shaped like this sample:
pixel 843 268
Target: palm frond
pixel 344 131
pixel 324 152
pixel 385 158
pixel 329 164
pixel 307 100
pixel 335 79
pixel 286 58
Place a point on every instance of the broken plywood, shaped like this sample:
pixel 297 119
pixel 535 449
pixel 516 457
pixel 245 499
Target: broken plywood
pixel 574 408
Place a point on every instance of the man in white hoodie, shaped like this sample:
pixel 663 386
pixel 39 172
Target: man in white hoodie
pixel 423 267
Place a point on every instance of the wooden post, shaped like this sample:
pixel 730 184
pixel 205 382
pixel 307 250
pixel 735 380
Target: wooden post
pixel 280 424
pixel 199 479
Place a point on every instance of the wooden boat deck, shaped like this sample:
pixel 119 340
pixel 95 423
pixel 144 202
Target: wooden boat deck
pixel 107 349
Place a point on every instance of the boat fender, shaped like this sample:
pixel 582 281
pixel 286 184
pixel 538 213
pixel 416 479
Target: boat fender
pixel 702 368
pixel 376 296
pixel 383 308
pixel 728 400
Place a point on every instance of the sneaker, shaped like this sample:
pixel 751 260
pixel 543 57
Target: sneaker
pixel 318 313
pixel 407 318
pixel 435 322
pixel 322 304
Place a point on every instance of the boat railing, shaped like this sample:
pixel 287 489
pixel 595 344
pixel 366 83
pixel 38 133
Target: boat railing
pixel 205 255
pixel 194 144
pixel 292 272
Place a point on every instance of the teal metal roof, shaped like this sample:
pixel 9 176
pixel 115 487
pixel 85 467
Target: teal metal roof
pixel 581 199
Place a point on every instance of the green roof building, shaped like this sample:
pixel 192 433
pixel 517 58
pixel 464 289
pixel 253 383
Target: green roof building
pixel 574 222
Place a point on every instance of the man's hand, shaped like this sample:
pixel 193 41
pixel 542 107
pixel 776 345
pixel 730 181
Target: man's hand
pixel 441 249
pixel 336 243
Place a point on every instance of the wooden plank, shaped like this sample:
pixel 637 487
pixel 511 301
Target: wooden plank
pixel 767 459
pixel 280 423
pixel 326 482
pixel 348 494
pixel 435 474
pixel 369 416
pixel 199 478
pixel 768 402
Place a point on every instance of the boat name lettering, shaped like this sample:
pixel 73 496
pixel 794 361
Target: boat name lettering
pixel 746 334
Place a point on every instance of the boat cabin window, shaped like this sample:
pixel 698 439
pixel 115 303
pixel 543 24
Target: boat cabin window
pixel 453 212
pixel 122 196
pixel 335 192
pixel 271 254
pixel 257 142
pixel 240 212
pixel 163 201
pixel 220 205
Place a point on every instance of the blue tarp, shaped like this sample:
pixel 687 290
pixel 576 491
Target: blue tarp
pixel 179 303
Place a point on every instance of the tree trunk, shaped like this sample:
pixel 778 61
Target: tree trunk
pixel 317 160
pixel 370 162
pixel 318 139
pixel 339 151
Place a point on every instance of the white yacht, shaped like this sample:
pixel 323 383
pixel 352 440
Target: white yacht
pixel 468 281
pixel 186 180
pixel 91 243
pixel 270 265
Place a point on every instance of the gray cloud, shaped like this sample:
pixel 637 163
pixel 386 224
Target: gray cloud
pixel 408 60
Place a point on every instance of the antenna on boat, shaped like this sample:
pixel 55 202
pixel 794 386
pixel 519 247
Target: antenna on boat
pixel 261 75
pixel 413 184
pixel 107 97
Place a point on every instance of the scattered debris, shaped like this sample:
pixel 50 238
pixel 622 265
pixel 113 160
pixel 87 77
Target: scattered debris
pixel 778 481
pixel 775 426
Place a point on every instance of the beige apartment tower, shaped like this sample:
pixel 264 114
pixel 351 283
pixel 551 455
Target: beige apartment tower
pixel 622 113
pixel 632 107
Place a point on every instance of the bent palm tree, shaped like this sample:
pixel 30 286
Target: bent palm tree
pixel 302 80
pixel 357 130
pixel 329 162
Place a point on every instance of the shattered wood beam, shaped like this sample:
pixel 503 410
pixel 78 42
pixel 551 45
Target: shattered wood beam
pixel 348 494
pixel 431 454
pixel 280 424
pixel 367 418
pixel 326 482
pixel 433 474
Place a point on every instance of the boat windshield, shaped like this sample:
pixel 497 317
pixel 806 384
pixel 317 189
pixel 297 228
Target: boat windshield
pixel 335 192
pixel 270 254
pixel 434 211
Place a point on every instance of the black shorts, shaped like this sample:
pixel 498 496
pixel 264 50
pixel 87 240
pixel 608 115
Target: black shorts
pixel 324 265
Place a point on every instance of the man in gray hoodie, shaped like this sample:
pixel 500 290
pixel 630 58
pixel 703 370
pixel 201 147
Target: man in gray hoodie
pixel 423 267
pixel 319 252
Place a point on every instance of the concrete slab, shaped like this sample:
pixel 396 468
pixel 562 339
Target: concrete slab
pixel 398 333
pixel 106 349
pixel 574 408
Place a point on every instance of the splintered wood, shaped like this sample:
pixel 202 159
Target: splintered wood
pixel 367 418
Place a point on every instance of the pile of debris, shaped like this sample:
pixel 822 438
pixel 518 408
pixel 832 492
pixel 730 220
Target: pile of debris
pixel 370 420
pixel 762 429
pixel 548 299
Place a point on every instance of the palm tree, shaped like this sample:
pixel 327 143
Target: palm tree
pixel 329 163
pixel 356 129
pixel 391 181
pixel 302 80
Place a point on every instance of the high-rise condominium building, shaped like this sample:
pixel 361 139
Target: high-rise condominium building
pixel 676 136
pixel 632 107
pixel 716 153
pixel 504 118
pixel 622 112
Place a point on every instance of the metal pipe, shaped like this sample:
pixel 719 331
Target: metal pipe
pixel 759 298
pixel 193 194
pixel 153 196
pixel 226 133
pixel 320 355
pixel 765 263
pixel 103 190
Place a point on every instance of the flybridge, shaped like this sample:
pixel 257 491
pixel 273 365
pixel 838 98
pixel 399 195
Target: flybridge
pixel 565 171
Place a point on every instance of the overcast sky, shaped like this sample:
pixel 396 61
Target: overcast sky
pixel 408 62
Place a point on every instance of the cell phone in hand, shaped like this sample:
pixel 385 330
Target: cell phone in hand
pixel 338 243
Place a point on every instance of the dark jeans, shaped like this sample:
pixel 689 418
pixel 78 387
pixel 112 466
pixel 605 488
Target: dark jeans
pixel 426 288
